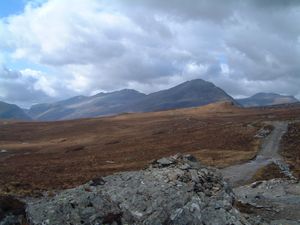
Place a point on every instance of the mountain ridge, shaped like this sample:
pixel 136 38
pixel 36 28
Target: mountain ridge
pixel 267 99
pixel 188 94
pixel 83 106
pixel 192 93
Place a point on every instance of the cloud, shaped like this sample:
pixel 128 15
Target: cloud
pixel 213 10
pixel 15 87
pixel 243 46
pixel 29 86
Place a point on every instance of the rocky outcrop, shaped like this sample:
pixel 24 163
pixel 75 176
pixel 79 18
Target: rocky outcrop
pixel 175 190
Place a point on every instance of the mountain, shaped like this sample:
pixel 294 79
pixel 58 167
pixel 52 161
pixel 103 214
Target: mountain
pixel 11 111
pixel 188 94
pixel 82 106
pixel 265 99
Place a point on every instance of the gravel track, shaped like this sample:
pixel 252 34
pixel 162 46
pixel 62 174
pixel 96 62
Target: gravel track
pixel 239 174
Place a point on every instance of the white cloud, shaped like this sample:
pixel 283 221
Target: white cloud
pixel 42 82
pixel 148 45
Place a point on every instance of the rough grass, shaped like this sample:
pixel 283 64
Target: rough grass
pixel 290 146
pixel 267 172
pixel 222 158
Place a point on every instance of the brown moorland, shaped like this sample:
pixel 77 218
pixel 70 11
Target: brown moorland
pixel 267 172
pixel 38 156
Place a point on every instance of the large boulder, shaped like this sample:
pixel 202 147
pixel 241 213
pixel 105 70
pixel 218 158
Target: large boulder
pixel 176 190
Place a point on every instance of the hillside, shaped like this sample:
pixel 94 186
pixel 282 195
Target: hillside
pixel 12 112
pixel 266 99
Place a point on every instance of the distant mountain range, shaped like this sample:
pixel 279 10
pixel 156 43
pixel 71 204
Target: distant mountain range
pixel 82 106
pixel 266 99
pixel 188 94
pixel 11 111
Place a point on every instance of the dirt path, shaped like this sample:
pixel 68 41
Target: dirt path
pixel 239 174
pixel 277 200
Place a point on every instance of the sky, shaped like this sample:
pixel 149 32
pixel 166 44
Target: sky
pixel 55 49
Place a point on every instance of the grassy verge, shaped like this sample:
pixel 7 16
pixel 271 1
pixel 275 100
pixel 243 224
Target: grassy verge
pixel 290 148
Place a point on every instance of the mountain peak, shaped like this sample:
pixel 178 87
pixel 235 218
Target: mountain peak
pixel 122 91
pixel 265 94
pixel 191 93
pixel 264 99
pixel 197 82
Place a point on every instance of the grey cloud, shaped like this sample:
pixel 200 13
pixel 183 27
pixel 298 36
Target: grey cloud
pixel 213 10
pixel 149 44
pixel 8 74
pixel 15 89
pixel 275 3
pixel 25 90
pixel 89 51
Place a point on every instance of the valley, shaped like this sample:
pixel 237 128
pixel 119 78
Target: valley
pixel 43 156
pixel 149 112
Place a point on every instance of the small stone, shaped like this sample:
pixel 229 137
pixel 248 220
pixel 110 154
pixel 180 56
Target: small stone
pixel 190 158
pixel 173 176
pixel 165 161
pixel 97 181
pixel 256 184
pixel 177 156
pixel 194 176
pixel 217 206
pixel 185 166
pixel 138 214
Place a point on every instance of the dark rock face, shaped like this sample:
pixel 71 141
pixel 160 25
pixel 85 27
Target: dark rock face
pixel 176 190
pixel 10 111
pixel 12 211
pixel 267 99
